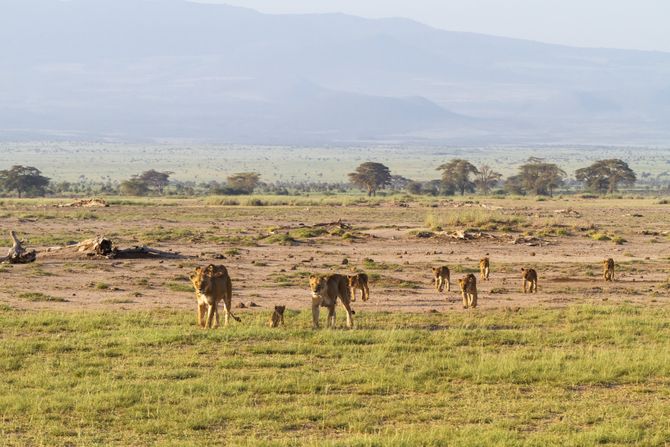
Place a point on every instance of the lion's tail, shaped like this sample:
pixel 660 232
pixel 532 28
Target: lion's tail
pixel 235 317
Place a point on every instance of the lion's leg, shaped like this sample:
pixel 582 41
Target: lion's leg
pixel 473 299
pixel 216 315
pixel 525 286
pixel 315 314
pixel 533 286
pixel 210 315
pixel 487 272
pixel 226 312
pixel 366 292
pixel 202 311
pixel 331 316
pixel 465 300
pixel 350 318
pixel 353 294
pixel 448 283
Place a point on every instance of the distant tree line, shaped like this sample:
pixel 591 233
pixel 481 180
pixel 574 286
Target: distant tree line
pixel 457 176
pixel 535 177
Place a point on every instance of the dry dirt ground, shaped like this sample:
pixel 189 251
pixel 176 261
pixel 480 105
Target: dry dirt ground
pixel 271 250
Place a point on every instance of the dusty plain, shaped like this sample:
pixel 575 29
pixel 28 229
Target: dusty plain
pixel 271 250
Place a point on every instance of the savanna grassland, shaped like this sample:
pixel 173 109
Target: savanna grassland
pixel 107 352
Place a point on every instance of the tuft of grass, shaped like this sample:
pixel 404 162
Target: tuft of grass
pixel 600 236
pixel 280 239
pixel 306 233
pixel 38 297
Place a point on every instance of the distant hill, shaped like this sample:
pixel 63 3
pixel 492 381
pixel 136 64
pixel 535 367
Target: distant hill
pixel 133 70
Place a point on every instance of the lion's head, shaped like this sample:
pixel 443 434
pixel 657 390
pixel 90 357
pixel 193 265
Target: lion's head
pixel 317 285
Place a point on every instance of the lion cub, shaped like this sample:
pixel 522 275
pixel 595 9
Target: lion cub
pixel 468 286
pixel 359 281
pixel 326 289
pixel 484 268
pixel 277 317
pixel 608 269
pixel 529 279
pixel 441 277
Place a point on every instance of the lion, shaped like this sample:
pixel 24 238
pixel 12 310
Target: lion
pixel 608 269
pixel 277 317
pixel 529 279
pixel 359 281
pixel 468 286
pixel 212 284
pixel 484 268
pixel 441 277
pixel 325 291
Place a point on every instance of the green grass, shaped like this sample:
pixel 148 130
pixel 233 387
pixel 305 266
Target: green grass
pixel 180 287
pixel 582 375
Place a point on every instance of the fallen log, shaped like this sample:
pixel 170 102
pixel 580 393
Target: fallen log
pixel 18 254
pixel 144 252
pixel 102 247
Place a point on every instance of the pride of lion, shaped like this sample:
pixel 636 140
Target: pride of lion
pixel 213 285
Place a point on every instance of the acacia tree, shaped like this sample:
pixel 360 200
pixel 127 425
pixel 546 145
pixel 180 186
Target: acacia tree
pixel 514 185
pixel 486 179
pixel 539 177
pixel 155 181
pixel 133 187
pixel 456 175
pixel 604 176
pixel 243 182
pixel 371 176
pixel 24 180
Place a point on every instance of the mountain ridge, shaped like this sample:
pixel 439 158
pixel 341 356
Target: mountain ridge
pixel 177 69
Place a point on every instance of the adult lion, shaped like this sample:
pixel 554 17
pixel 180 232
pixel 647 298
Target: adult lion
pixel 212 284
pixel 325 291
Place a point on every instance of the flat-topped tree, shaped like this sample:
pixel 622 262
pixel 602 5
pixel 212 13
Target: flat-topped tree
pixel 539 177
pixel 456 176
pixel 486 179
pixel 605 176
pixel 371 176
pixel 24 180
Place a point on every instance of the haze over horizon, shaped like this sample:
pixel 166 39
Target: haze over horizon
pixel 132 70
pixel 622 24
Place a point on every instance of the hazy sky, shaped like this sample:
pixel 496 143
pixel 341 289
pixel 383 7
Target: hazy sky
pixel 637 24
